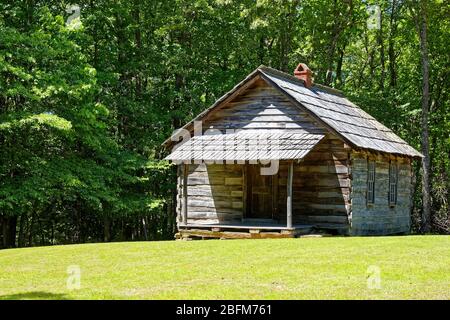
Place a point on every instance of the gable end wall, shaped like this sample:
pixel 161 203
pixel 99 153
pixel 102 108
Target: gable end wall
pixel 261 107
pixel 379 218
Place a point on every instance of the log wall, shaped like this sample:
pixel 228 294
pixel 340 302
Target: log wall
pixel 380 218
pixel 215 193
pixel 321 186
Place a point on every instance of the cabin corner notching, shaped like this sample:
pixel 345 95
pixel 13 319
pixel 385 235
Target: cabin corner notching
pixel 279 156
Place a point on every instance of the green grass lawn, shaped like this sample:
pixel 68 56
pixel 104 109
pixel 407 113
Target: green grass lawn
pixel 411 267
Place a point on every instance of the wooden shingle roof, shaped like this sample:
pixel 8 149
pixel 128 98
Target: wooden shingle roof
pixel 246 145
pixel 329 107
pixel 339 114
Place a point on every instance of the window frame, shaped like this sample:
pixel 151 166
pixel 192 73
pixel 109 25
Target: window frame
pixel 393 183
pixel 371 177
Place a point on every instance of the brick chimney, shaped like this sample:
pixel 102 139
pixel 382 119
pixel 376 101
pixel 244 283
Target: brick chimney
pixel 302 72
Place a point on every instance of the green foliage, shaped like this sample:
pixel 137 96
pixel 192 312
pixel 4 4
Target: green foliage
pixel 60 158
pixel 83 110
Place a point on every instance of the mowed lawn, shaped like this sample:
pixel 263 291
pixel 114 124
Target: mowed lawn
pixel 410 267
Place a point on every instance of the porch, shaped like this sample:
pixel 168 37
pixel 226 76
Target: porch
pixel 304 193
pixel 257 212
pixel 248 229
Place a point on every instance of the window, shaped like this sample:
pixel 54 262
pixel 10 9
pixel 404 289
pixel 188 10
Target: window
pixel 371 182
pixel 392 183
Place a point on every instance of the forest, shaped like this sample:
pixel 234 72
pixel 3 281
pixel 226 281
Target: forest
pixel 90 89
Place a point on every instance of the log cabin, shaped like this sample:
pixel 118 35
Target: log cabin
pixel 281 156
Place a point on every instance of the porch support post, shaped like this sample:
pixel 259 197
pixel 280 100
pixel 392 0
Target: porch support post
pixel 185 202
pixel 289 194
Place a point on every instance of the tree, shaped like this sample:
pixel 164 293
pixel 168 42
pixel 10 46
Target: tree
pixel 422 25
pixel 83 111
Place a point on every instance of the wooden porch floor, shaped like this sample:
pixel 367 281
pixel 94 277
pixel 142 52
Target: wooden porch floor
pixel 243 230
pixel 259 229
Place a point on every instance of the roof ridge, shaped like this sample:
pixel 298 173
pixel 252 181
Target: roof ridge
pixel 329 89
pixel 296 80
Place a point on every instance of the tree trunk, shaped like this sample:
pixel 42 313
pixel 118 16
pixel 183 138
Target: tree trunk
pixel 41 232
pixel 339 25
pixel 144 227
pixel 29 10
pixel 12 232
pixel 30 234
pixel 426 202
pixel 330 58
pixel 138 38
pixel 339 79
pixel 53 232
pixel 381 48
pixel 391 49
pixel 122 230
pixel 335 32
pixel 22 221
pixel 286 36
pixel 9 225
pixel 261 50
pixel 107 230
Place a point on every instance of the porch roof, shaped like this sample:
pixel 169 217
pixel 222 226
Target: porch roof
pixel 246 145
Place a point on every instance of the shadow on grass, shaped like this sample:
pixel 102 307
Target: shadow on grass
pixel 35 295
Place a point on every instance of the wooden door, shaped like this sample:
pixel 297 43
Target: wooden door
pixel 259 194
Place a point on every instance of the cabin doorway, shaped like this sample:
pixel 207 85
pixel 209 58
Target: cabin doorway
pixel 260 197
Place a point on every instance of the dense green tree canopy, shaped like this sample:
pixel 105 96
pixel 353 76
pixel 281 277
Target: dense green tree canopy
pixel 85 105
